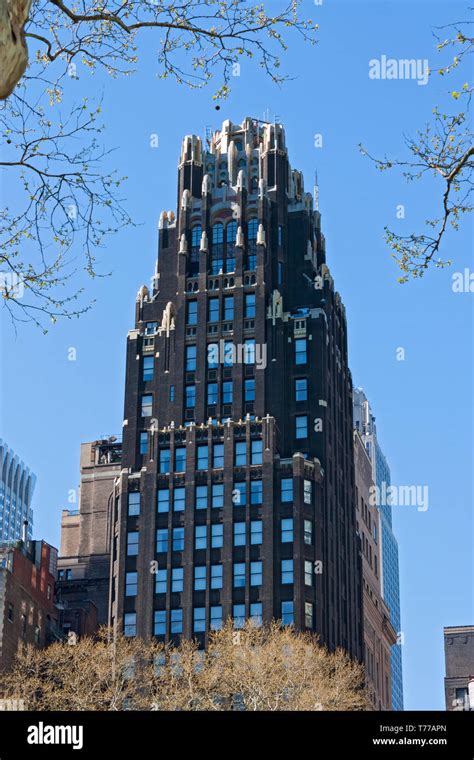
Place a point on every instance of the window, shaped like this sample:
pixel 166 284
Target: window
pixel 178 538
pixel 239 494
pixel 179 499
pixel 308 615
pixel 144 443
pixel 131 584
pixel 238 613
pixel 216 618
pixel 240 454
pixel 287 530
pixel 147 404
pixel 202 457
pixel 213 310
pixel 308 573
pixel 192 313
pixel 287 489
pixel 171 392
pixel 132 543
pixel 256 532
pixel 200 537
pixel 134 504
pixel 239 534
pixel 159 627
pixel 256 452
pixel 162 540
pixel 280 272
pixel 161 581
pixel 228 353
pixel 217 251
pixel 199 619
pixel 287 571
pixel 177 579
pixel 130 624
pixel 211 394
pixel 227 392
pixel 301 389
pixel 256 613
pixel 200 578
pixel 217 496
pixel 287 614
pixel 307 491
pixel 308 532
pixel 180 459
pixel 216 576
pixel 239 575
pixel 201 497
pixel 212 355
pixel 196 233
pixel 176 621
pixel 231 234
pixel 217 536
pixel 300 351
pixel 151 328
pixel 249 389
pixel 218 455
pixel 249 305
pixel 249 351
pixel 163 500
pixel 255 573
pixel 301 426
pixel 280 235
pixel 148 368
pixel 191 352
pixel 190 399
pixel 165 460
pixel 256 493
pixel 228 308
pixel 252 244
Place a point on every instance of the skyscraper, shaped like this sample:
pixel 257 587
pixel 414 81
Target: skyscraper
pixel 17 484
pixel 364 423
pixel 236 495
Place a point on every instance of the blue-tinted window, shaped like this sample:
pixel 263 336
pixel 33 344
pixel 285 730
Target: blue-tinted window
pixel 301 389
pixel 144 443
pixel 256 452
pixel 192 313
pixel 238 613
pixel 134 503
pixel 227 392
pixel 300 351
pixel 249 387
pixel 162 540
pixel 255 573
pixel 165 459
pixel 239 495
pixel 176 621
pixel 256 532
pixel 229 308
pixel 180 459
pixel 202 457
pixel 287 614
pixel 217 536
pixel 301 426
pixel 249 351
pixel 213 355
pixel 250 305
pixel 199 619
pixel 148 368
pixel 190 398
pixel 239 574
pixel 216 617
pixel 179 499
pixel 256 492
pixel 201 497
pixel 147 405
pixel 287 489
pixel 239 534
pixel 240 454
pixel 200 537
pixel 177 579
pixel 308 532
pixel 131 584
pixel 287 530
pixel 161 581
pixel 217 499
pixel 212 394
pixel 159 627
pixel 178 538
pixel 213 310
pixel 228 353
pixel 191 353
pixel 130 624
pixel 200 578
pixel 218 455
pixel 132 543
pixel 256 613
pixel 216 576
pixel 287 571
pixel 163 500
pixel 171 392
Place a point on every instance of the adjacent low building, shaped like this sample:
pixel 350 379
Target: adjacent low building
pixel 459 657
pixel 27 607
pixel 84 561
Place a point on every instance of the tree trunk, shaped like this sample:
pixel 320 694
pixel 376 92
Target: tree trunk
pixel 13 50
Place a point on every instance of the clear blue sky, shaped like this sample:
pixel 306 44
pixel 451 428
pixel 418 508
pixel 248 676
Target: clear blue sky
pixel 423 405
